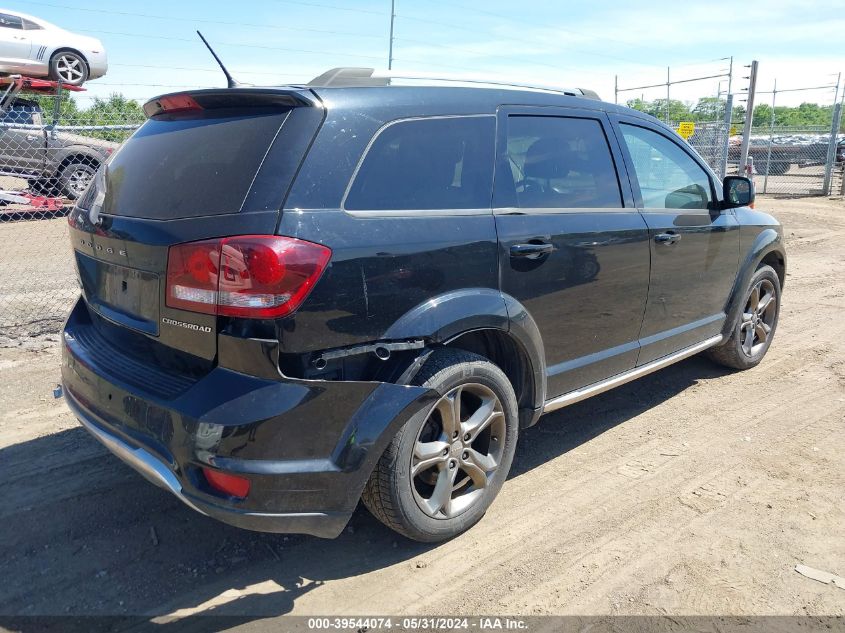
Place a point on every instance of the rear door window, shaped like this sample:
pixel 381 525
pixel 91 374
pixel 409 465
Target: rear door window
pixel 427 164
pixel 561 162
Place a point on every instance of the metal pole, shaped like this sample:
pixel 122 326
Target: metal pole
pixel 57 109
pixel 749 115
pixel 831 148
pixel 729 106
pixel 723 163
pixel 668 83
pixel 730 74
pixel 771 137
pixel 615 88
pixel 390 49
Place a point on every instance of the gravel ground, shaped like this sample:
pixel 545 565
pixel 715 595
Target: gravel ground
pixel 693 491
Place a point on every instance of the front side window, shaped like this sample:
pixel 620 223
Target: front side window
pixel 561 162
pixel 10 21
pixel 427 164
pixel 668 177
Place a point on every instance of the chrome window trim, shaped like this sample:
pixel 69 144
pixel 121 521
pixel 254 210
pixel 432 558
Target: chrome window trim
pixel 560 210
pixel 430 213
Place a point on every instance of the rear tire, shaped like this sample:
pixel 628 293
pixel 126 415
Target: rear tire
pixel 753 334
pixel 437 477
pixel 75 178
pixel 69 68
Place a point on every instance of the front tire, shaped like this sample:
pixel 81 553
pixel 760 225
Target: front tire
pixel 443 469
pixel 753 334
pixel 69 68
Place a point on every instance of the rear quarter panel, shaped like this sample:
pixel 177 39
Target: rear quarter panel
pixel 382 267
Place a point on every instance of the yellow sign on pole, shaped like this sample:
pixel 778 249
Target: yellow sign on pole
pixel 686 129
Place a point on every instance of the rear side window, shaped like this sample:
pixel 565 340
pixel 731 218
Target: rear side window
pixel 181 167
pixel 427 164
pixel 561 162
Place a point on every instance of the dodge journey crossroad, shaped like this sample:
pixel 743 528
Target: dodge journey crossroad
pixel 300 297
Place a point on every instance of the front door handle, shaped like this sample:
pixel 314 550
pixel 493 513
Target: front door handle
pixel 667 238
pixel 531 251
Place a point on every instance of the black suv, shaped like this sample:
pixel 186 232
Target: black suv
pixel 295 298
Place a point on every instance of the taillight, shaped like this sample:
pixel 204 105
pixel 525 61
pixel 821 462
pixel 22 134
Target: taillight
pixel 231 485
pixel 253 276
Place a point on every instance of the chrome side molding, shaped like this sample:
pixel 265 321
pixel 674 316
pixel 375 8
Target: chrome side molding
pixel 620 379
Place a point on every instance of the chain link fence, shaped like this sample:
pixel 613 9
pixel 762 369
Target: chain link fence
pixel 710 140
pixel 792 160
pixel 50 149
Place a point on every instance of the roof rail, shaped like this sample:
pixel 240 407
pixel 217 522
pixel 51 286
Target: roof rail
pixel 346 77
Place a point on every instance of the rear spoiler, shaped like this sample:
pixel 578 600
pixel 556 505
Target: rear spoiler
pixel 216 98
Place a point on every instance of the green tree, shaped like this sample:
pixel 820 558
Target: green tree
pixel 116 110
pixel 709 109
pixel 68 109
pixel 678 110
pixel 762 115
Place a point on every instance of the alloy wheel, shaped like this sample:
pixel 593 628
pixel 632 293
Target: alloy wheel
pixel 69 68
pixel 758 318
pixel 457 451
pixel 78 181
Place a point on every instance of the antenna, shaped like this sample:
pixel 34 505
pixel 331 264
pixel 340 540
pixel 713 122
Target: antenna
pixel 232 82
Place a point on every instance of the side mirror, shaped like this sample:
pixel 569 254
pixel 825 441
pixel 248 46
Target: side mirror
pixel 738 191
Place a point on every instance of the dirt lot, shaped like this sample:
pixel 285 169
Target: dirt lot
pixel 692 491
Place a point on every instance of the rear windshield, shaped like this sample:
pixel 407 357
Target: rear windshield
pixel 182 167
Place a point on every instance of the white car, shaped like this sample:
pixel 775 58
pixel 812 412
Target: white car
pixel 30 46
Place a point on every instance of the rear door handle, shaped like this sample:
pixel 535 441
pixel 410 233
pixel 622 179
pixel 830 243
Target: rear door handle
pixel 531 251
pixel 667 238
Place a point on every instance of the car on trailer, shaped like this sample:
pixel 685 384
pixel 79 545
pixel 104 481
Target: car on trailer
pixel 36 48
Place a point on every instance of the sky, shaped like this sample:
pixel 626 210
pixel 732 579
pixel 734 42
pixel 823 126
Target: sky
pixel 153 48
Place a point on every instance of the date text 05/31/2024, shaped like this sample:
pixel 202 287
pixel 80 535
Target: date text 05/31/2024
pixel 417 623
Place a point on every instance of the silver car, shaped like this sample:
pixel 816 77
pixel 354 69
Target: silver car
pixel 31 46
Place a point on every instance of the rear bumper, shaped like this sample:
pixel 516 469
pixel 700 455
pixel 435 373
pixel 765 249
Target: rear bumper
pixel 307 447
pixel 325 524
pixel 98 65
